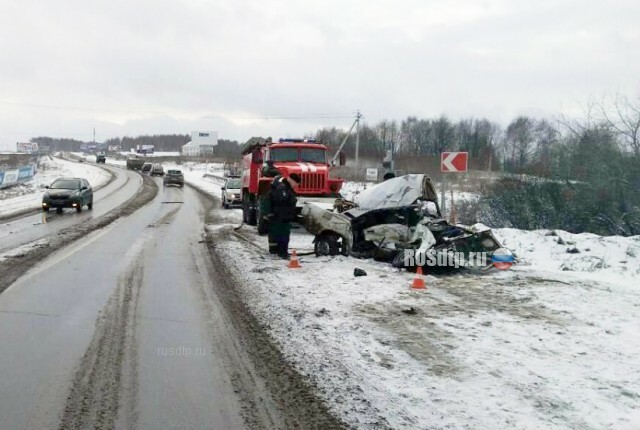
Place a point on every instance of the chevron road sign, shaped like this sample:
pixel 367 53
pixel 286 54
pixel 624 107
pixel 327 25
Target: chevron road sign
pixel 454 161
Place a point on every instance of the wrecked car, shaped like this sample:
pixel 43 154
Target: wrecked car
pixel 398 221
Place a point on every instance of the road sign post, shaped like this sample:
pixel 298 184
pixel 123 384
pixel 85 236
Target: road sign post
pixel 451 162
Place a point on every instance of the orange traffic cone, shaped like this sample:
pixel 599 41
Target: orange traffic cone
pixel 293 262
pixel 418 281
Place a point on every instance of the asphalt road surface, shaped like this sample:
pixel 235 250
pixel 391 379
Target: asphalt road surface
pixel 118 330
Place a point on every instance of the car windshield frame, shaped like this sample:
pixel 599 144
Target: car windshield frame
pixel 68 182
pixel 311 155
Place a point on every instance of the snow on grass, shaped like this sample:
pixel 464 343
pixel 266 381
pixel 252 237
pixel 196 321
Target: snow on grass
pixel 28 195
pixel 605 258
pixel 350 190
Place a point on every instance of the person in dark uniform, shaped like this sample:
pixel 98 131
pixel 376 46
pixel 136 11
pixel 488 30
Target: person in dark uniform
pixel 282 212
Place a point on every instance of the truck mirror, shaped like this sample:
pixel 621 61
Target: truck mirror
pixel 342 158
pixel 256 156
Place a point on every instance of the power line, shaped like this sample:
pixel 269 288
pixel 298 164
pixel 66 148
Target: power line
pixel 228 117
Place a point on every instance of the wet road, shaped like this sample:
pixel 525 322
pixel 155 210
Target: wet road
pixel 36 227
pixel 120 329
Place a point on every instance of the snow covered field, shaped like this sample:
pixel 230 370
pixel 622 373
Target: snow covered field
pixel 28 195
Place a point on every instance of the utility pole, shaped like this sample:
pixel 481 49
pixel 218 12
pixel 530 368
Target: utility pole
pixel 358 116
pixel 94 136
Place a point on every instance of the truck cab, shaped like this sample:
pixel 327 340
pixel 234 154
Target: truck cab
pixel 306 157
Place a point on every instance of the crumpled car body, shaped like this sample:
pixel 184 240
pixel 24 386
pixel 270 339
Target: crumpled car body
pixel 394 217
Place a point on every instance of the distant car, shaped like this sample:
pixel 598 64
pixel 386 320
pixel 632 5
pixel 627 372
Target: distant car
pixel 68 193
pixel 174 177
pixel 157 170
pixel 231 193
pixel 146 168
pixel 101 158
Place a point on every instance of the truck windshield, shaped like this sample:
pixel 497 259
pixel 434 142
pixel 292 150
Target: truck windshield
pixel 284 154
pixel 313 155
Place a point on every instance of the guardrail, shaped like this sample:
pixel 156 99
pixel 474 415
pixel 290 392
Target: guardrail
pixel 216 179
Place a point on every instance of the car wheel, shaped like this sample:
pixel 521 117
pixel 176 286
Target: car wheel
pixel 327 244
pixel 45 209
pixel 90 205
pixel 78 208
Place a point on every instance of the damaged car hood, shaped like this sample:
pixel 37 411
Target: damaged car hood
pixel 396 192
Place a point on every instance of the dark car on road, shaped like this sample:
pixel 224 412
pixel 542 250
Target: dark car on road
pixel 157 170
pixel 146 168
pixel 174 177
pixel 101 158
pixel 68 193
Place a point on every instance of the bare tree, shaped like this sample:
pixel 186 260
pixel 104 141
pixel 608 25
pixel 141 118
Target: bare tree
pixel 624 118
pixel 519 140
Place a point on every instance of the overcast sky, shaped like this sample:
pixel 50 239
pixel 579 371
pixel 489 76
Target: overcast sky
pixel 286 68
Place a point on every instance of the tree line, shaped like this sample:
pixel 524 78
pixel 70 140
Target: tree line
pixel 573 174
pixel 227 149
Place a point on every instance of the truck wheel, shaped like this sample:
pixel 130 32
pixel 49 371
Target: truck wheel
pixel 327 244
pixel 251 217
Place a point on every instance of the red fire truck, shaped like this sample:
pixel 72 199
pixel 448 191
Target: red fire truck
pixel 308 158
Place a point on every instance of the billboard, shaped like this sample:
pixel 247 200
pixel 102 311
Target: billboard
pixel 27 147
pixel 16 168
pixel 16 176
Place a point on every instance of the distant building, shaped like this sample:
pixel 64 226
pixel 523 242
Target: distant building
pixel 201 144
